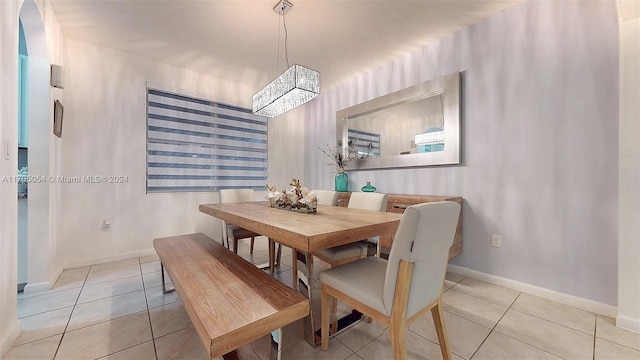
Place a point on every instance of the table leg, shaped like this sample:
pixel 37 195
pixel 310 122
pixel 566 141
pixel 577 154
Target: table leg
pixel 311 335
pixel 309 322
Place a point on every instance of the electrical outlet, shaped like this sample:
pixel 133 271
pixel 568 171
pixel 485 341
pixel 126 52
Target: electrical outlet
pixel 106 225
pixel 496 240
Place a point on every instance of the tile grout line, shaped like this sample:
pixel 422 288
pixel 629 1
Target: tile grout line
pixel 520 311
pixel 120 317
pixel 437 344
pixel 146 300
pixel 480 297
pixel 518 340
pixel 618 344
pixel 64 332
pixel 106 281
pixel 495 325
pixel 553 322
pixel 595 336
pixel 356 352
pixel 109 280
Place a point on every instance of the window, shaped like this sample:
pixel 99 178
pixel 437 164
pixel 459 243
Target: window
pixel 364 144
pixel 200 145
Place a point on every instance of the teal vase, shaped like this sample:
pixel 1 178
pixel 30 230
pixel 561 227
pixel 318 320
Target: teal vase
pixel 342 181
pixel 368 187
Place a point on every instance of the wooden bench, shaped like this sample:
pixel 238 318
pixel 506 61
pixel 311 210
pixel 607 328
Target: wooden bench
pixel 229 301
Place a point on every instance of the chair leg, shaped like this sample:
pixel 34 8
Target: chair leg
pixel 279 254
pixel 398 342
pixel 294 267
pixel 272 255
pixel 441 330
pixel 326 302
pixel 333 329
pixel 235 246
pixel 251 247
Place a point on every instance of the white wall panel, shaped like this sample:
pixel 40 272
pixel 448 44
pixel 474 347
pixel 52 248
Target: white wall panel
pixel 629 176
pixel 540 140
pixel 10 328
pixel 104 134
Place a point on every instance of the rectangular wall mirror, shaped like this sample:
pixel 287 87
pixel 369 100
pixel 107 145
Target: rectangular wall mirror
pixel 416 126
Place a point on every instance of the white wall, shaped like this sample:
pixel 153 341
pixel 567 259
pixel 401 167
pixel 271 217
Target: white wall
pixel 286 148
pixel 55 43
pixel 629 177
pixel 104 133
pixel 46 51
pixel 10 328
pixel 44 41
pixel 540 140
pixel 38 200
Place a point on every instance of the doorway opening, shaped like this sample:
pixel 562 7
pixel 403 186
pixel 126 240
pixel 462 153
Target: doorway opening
pixel 34 253
pixel 23 158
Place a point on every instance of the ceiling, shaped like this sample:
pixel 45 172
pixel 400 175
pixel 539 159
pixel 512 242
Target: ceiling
pixel 238 40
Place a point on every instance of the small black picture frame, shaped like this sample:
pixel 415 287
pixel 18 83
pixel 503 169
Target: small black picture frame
pixel 58 111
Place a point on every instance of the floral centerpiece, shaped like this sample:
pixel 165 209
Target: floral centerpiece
pixel 296 198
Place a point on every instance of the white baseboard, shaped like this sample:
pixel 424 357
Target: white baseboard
pixel 39 286
pixel 628 323
pixel 53 278
pixel 100 260
pixel 571 300
pixel 43 285
pixel 12 335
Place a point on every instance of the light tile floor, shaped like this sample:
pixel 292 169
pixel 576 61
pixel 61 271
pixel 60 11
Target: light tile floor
pixel 118 311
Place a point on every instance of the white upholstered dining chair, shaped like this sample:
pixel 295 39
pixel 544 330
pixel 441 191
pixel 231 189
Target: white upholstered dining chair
pixel 233 232
pixel 399 290
pixel 327 197
pixel 346 253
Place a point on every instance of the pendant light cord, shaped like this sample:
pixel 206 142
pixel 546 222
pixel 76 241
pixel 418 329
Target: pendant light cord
pixel 286 35
pixel 278 52
pixel 282 19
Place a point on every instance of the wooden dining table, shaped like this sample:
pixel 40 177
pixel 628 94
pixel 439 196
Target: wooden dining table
pixel 330 226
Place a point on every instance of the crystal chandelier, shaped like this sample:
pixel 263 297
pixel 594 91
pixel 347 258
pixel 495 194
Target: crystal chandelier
pixel 294 87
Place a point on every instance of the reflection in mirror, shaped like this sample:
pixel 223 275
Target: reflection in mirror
pixel 412 127
pixel 417 126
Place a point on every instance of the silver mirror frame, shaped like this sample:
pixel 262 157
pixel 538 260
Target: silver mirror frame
pixel 449 86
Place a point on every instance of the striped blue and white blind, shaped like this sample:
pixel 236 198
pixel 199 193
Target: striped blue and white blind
pixel 201 145
pixel 365 144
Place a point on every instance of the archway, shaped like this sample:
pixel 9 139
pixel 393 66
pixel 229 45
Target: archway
pixel 39 130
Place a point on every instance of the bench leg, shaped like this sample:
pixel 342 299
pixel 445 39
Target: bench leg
pixel 164 288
